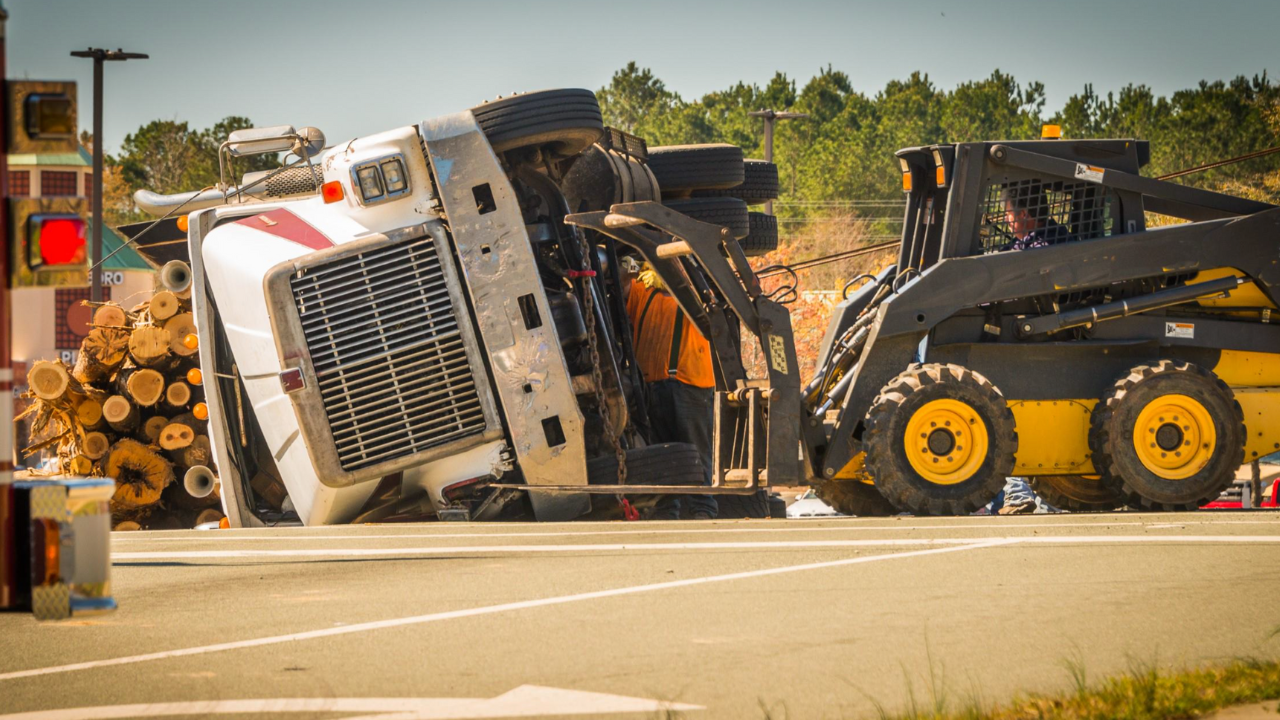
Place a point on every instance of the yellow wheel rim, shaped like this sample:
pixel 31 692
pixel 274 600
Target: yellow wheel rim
pixel 946 441
pixel 1174 436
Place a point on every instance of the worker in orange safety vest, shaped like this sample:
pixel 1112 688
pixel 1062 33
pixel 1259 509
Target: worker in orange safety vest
pixel 675 360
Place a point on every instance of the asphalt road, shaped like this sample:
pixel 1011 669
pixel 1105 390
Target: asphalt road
pixel 733 619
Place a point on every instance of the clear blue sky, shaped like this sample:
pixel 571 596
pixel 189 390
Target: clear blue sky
pixel 353 67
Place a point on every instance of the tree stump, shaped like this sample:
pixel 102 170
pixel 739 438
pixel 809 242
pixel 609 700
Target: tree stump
pixel 140 475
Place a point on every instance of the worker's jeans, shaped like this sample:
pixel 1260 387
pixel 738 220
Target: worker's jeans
pixel 682 413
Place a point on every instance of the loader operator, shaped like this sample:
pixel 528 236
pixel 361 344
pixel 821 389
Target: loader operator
pixel 1027 214
pixel 675 360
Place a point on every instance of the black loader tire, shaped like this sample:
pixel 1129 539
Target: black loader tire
pixel 1077 493
pixel 660 464
pixel 735 507
pixel 685 168
pixel 759 184
pixel 728 212
pixel 762 237
pixel 568 120
pixel 1197 402
pixel 853 497
pixel 907 404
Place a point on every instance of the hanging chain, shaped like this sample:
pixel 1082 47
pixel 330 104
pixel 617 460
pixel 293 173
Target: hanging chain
pixel 597 376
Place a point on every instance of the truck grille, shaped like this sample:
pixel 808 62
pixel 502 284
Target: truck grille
pixel 388 353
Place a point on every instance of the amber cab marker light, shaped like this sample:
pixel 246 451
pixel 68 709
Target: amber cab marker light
pixel 332 191
pixel 183 223
pixel 195 377
pixel 201 411
pixel 1051 132
pixel 191 342
pixel 942 176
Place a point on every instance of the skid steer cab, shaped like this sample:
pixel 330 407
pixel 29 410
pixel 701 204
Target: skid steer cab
pixel 1036 325
pixel 431 321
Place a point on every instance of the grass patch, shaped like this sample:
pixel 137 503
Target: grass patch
pixel 1144 693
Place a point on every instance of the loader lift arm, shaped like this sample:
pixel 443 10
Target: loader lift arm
pixel 757 431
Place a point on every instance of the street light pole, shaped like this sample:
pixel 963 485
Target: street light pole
pixel 99 56
pixel 769 117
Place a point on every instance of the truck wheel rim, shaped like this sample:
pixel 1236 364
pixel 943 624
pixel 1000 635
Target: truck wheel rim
pixel 1174 436
pixel 946 441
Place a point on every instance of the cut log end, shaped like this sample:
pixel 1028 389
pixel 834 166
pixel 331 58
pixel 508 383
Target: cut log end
pixel 209 515
pixel 176 436
pixel 164 305
pixel 119 413
pixel 178 394
pixel 149 344
pixel 101 354
pixel 152 428
pixel 79 465
pixel 179 327
pixel 89 413
pixel 110 316
pixel 140 474
pixel 145 387
pixel 95 445
pixel 49 380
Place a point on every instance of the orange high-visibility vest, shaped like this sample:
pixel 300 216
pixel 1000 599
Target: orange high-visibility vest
pixel 656 319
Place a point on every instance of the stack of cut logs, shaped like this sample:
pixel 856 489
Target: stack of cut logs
pixel 131 409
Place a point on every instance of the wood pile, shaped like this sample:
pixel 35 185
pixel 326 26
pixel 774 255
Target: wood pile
pixel 132 409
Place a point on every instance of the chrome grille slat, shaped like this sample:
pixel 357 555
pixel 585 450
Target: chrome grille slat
pixel 452 350
pixel 436 398
pixel 342 315
pixel 356 360
pixel 360 281
pixel 453 421
pixel 399 310
pixel 334 305
pixel 372 389
pixel 386 345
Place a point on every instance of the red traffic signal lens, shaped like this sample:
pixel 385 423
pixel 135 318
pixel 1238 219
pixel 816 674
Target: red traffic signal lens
pixel 56 240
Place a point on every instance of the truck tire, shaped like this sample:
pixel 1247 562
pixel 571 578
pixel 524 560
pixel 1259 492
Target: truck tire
pixel 727 212
pixel 681 169
pixel 854 497
pixel 940 440
pixel 735 507
pixel 1077 493
pixel 567 120
pixel 661 464
pixel 759 184
pixel 762 237
pixel 1171 433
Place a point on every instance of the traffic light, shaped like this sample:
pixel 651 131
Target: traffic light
pixel 55 241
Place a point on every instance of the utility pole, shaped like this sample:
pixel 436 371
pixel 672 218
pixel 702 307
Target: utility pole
pixel 99 55
pixel 769 117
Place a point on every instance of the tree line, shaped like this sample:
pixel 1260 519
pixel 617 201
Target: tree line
pixel 844 150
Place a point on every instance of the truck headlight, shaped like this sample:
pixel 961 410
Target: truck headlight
pixel 370 182
pixel 393 173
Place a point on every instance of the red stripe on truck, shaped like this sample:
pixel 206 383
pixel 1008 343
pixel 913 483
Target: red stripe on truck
pixel 284 224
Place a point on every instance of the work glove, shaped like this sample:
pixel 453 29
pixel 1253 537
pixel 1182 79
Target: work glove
pixel 649 277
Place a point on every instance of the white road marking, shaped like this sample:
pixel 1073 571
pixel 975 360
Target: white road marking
pixel 524 701
pixel 431 550
pixel 474 612
pixel 298 534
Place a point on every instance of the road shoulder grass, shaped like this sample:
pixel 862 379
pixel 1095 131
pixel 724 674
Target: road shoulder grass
pixel 1144 693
